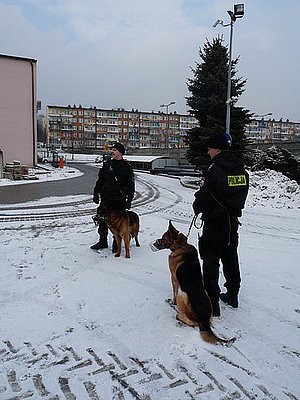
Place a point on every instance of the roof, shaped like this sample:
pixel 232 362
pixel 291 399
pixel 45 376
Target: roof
pixel 144 158
pixel 18 58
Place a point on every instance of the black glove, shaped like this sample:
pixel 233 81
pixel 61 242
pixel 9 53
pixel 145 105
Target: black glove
pixel 96 198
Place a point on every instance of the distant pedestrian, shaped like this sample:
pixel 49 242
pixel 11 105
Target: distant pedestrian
pixel 114 189
pixel 220 200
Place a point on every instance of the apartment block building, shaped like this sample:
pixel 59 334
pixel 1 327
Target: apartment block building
pixel 272 131
pixel 80 128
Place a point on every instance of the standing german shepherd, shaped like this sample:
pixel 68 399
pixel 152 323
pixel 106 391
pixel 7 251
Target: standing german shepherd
pixel 194 306
pixel 123 225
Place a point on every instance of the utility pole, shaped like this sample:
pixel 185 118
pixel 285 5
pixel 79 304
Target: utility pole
pixel 168 124
pixel 238 12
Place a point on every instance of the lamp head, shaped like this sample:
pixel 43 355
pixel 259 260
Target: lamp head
pixel 262 115
pixel 239 10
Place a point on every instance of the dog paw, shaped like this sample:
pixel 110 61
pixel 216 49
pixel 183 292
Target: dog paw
pixel 179 322
pixel 169 301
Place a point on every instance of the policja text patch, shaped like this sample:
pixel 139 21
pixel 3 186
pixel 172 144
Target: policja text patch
pixel 237 180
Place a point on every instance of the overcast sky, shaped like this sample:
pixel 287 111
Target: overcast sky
pixel 139 53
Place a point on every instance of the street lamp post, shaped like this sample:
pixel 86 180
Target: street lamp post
pixel 72 136
pixel 262 117
pixel 280 133
pixel 168 123
pixel 238 12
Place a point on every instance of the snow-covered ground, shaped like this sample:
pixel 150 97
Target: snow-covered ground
pixel 80 324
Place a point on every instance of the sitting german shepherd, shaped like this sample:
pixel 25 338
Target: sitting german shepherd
pixel 194 306
pixel 123 225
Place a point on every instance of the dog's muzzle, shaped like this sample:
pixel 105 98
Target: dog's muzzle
pixel 158 245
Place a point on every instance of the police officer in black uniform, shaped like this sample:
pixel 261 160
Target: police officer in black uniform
pixel 220 200
pixel 114 189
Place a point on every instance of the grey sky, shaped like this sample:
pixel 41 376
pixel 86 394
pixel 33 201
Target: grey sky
pixel 138 53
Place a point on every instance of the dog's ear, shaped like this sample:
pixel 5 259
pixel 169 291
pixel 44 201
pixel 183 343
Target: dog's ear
pixel 171 227
pixel 173 231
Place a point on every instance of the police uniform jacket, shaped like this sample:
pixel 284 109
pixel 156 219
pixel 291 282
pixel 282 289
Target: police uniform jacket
pixel 225 188
pixel 115 182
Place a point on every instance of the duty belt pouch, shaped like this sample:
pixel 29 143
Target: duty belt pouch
pixel 200 246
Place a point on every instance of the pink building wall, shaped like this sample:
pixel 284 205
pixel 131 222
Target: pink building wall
pixel 18 122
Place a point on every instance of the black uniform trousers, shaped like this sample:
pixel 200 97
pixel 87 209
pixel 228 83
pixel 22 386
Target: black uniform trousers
pixel 219 241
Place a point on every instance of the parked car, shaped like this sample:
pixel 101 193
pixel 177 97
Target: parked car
pixel 43 158
pixel 98 159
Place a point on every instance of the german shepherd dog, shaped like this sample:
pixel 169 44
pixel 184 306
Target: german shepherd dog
pixel 193 303
pixel 123 225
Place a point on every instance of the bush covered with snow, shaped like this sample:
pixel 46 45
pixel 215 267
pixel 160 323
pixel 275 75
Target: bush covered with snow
pixel 277 159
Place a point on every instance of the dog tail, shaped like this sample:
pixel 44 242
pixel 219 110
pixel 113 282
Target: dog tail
pixel 209 336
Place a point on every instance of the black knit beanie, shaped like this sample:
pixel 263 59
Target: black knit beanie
pixel 218 142
pixel 119 147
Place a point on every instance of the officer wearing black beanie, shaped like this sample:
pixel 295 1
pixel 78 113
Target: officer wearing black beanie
pixel 220 201
pixel 119 147
pixel 114 189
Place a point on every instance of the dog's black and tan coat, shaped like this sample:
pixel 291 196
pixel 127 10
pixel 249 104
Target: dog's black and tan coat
pixel 123 225
pixel 193 303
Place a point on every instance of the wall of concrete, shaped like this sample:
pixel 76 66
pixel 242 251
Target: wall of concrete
pixel 18 127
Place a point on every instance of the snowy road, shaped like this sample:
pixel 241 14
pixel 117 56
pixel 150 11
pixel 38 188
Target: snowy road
pixel 79 324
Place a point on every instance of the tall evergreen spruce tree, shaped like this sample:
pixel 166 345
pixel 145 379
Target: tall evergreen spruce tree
pixel 207 102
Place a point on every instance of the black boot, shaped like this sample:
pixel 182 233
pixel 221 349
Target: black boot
pixel 114 247
pixel 103 231
pixel 102 244
pixel 231 300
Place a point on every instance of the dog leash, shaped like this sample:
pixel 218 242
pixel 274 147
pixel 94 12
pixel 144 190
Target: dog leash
pixel 193 222
pixel 229 216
